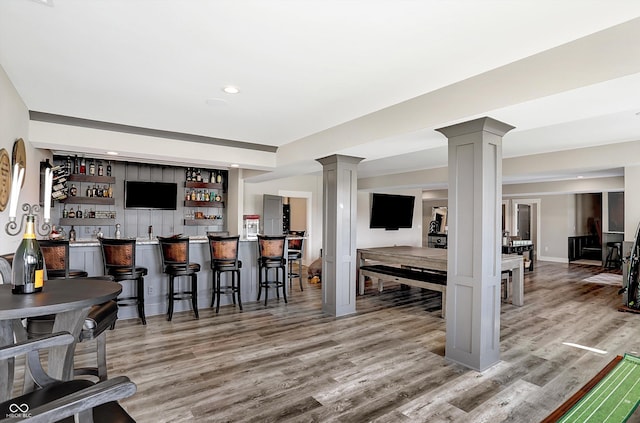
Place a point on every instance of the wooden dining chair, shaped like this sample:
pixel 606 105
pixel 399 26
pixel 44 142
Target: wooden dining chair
pixel 55 400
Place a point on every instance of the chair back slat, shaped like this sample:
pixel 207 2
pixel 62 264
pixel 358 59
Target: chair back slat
pixel 271 247
pixel 174 250
pixel 118 254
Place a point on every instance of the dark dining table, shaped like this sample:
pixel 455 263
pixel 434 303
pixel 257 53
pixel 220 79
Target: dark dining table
pixel 70 301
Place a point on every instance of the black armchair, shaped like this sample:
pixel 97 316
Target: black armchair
pixel 56 400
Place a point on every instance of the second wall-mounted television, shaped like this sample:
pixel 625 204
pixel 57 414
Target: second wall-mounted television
pixel 390 211
pixel 150 195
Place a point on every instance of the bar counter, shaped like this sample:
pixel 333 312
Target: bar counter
pixel 85 254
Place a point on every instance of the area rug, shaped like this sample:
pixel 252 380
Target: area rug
pixel 605 279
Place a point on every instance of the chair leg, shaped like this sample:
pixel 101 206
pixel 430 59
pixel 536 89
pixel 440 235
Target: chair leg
pixel 284 284
pixel 218 289
pixel 140 300
pixel 213 288
pixel 101 351
pixel 237 287
pixel 266 287
pixel 194 294
pixel 259 282
pixel 170 298
pixel 300 274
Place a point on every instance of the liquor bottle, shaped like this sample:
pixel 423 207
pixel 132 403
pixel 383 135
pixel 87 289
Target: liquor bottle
pixel 92 168
pixel 83 167
pixel 188 175
pixel 198 176
pixel 118 233
pixel 65 212
pixel 69 165
pixel 79 213
pixel 28 264
pixel 71 214
pixel 100 168
pixel 110 191
pixel 89 192
pixel 109 168
pixel 76 165
pixel 73 190
pixel 219 177
pixel 72 234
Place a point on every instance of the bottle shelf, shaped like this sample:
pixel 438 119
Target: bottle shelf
pixel 76 177
pixel 191 184
pixel 203 222
pixel 89 200
pixel 218 204
pixel 86 222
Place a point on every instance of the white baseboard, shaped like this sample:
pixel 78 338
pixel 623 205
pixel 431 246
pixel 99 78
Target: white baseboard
pixel 554 259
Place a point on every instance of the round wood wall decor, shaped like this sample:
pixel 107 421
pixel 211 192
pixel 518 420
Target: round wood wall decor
pixel 20 156
pixel 5 178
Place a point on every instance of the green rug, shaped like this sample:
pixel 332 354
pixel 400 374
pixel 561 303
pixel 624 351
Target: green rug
pixel 613 399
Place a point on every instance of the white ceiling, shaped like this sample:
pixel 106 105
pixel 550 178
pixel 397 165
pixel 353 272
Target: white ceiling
pixel 369 78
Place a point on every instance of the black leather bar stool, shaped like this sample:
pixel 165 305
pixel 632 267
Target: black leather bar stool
pixel 271 257
pixel 295 243
pixel 614 255
pixel 119 257
pixel 224 258
pixel 175 263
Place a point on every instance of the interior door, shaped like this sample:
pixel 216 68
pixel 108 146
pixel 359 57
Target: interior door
pixel 272 214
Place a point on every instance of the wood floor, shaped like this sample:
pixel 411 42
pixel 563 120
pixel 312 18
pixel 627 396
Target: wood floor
pixel 289 362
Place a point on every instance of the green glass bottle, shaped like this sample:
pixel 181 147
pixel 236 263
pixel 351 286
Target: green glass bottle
pixel 28 264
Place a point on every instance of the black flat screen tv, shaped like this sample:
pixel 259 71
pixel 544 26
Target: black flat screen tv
pixel 390 212
pixel 150 195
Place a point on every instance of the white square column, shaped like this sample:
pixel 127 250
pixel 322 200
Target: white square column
pixel 339 261
pixel 474 240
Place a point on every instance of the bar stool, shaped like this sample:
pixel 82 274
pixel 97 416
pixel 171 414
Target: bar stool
pixel 56 258
pixel 294 256
pixel 271 257
pixel 119 258
pixel 614 255
pixel 224 258
pixel 175 263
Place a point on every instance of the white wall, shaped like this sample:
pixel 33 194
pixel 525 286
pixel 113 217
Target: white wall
pixel 367 238
pixel 14 124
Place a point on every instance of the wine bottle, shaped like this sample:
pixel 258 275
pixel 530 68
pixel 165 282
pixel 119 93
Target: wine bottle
pixel 72 234
pixel 28 264
pixel 92 168
pixel 109 168
pixel 83 167
pixel 100 168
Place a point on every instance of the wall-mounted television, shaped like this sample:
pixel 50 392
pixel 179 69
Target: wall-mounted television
pixel 150 195
pixel 390 211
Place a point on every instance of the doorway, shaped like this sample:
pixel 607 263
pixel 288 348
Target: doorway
pixel 299 209
pixel 526 221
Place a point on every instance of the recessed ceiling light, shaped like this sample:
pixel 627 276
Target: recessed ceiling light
pixel 112 153
pixel 230 89
pixel 235 165
pixel 580 176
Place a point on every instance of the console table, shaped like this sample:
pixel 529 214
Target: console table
pixel 520 249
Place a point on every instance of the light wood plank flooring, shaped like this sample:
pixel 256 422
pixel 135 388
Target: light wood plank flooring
pixel 289 362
